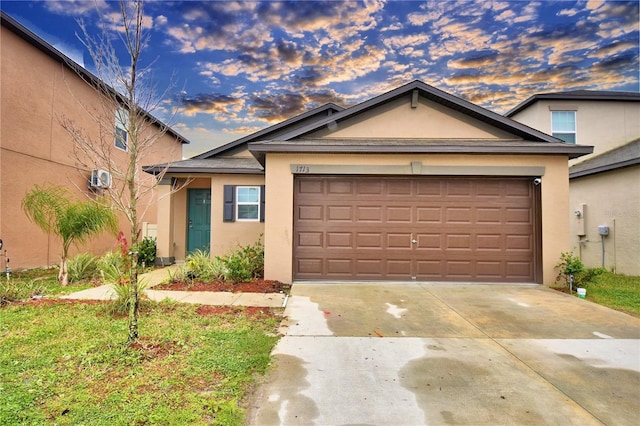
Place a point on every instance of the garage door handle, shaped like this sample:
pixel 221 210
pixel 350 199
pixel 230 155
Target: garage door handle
pixel 413 241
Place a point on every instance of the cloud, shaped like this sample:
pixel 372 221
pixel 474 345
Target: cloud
pixel 76 7
pixel 217 104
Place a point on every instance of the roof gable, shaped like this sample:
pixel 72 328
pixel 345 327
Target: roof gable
pixel 274 131
pixel 417 89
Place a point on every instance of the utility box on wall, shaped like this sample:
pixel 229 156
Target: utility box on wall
pixel 603 230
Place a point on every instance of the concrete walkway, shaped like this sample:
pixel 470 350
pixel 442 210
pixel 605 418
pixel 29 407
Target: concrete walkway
pixel 158 276
pixel 389 354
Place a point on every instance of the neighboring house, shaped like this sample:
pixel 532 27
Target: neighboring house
pixel 604 186
pixel 414 184
pixel 38 88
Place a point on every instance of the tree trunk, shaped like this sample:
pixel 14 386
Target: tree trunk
pixel 133 297
pixel 63 274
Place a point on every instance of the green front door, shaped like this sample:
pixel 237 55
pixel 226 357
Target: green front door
pixel 199 220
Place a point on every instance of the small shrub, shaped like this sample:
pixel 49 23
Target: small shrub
pixel 237 268
pixel 12 290
pixel 84 266
pixel 146 251
pixel 572 265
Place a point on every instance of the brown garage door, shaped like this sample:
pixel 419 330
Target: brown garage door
pixel 426 228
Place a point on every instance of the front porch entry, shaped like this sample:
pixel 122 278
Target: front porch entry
pixel 198 220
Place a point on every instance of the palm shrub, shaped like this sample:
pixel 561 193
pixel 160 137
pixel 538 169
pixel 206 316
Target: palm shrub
pixel 201 266
pixel 112 267
pixel 83 266
pixel 52 209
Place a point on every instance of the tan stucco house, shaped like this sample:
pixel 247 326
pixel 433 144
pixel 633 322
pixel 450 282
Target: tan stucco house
pixel 411 185
pixel 38 88
pixel 604 187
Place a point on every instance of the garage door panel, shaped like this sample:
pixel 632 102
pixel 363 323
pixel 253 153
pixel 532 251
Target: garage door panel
pixel 369 240
pixel 429 215
pixel 397 241
pixel 340 213
pixel 369 188
pixel 464 228
pixel 518 216
pixel 310 239
pixel 489 216
pixel 311 213
pixel 399 214
pixel 519 269
pixel 369 214
pixel 458 215
pixel 339 239
pixel 340 187
pixel 458 242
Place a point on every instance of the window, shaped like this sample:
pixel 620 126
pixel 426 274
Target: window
pixel 248 203
pixel 122 119
pixel 243 203
pixel 563 125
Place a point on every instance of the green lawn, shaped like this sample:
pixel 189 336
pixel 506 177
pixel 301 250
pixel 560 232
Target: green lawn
pixel 69 364
pixel 618 292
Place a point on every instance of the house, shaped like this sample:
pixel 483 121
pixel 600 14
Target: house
pixel 38 88
pixel 604 187
pixel 411 185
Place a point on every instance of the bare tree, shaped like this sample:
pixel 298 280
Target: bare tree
pixel 124 122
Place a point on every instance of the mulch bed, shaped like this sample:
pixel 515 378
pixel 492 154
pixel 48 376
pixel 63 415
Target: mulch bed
pixel 254 286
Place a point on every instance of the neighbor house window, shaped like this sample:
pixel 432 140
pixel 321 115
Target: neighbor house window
pixel 248 203
pixel 563 125
pixel 121 135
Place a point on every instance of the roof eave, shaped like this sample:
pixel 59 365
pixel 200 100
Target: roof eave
pixel 157 170
pixel 604 168
pixel 260 149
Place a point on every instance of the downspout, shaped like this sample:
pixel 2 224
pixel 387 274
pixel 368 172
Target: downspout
pixel 615 266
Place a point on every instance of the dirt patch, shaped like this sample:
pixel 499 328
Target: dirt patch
pixel 150 350
pixel 46 302
pixel 250 311
pixel 254 286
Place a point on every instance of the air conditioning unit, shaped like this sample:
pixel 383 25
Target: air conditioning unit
pixel 100 179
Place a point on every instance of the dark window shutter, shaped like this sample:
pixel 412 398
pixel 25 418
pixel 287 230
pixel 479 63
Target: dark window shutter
pixel 229 205
pixel 262 192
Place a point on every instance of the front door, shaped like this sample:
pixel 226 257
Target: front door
pixel 199 220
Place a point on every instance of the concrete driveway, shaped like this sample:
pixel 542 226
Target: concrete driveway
pixel 405 354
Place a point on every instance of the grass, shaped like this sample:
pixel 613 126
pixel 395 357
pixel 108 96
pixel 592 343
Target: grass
pixel 69 364
pixel 34 282
pixel 615 291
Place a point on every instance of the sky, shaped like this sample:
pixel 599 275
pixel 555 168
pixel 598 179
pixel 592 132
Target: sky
pixel 233 68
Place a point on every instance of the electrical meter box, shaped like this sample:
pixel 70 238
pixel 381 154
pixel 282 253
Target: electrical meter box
pixel 603 230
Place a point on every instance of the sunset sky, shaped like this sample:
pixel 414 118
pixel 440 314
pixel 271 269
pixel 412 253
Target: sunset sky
pixel 239 67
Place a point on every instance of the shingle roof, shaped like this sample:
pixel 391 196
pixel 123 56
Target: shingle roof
pixel 577 95
pixel 623 156
pixel 210 165
pixel 272 131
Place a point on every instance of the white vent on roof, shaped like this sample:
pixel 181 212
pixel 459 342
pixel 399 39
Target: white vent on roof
pixel 100 179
